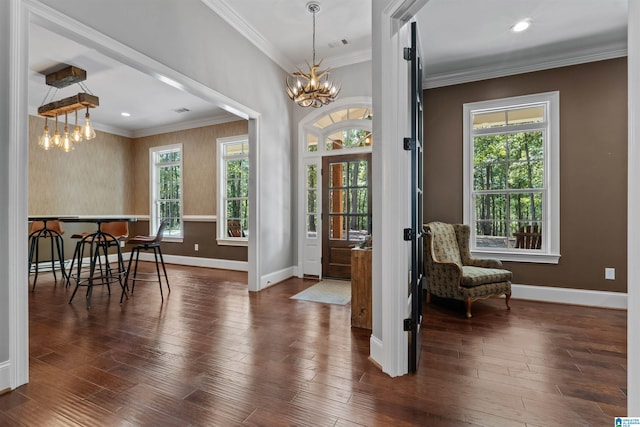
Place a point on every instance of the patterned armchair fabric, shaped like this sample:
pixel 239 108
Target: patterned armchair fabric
pixel 452 272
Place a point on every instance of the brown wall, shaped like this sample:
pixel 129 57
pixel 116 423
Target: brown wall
pixel 593 167
pixel 110 175
pixel 202 233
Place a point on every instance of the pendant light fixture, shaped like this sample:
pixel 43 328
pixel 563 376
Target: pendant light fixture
pixel 312 89
pixel 83 100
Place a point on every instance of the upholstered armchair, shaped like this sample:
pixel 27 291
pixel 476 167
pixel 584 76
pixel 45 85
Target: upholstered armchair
pixel 451 272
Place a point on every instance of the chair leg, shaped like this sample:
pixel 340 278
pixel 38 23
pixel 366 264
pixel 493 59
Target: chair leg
pixel 507 297
pixel 60 247
pixel 53 265
pixel 128 271
pixel 76 253
pixel 33 249
pixel 166 278
pixel 135 269
pixel 155 255
pixel 468 303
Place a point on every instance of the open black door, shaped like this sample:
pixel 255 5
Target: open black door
pixel 414 144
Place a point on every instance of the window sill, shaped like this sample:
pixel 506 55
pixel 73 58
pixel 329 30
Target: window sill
pixel 232 242
pixel 172 239
pixel 524 256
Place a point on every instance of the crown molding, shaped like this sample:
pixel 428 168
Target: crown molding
pixel 223 9
pixel 530 64
pixel 193 124
pixel 338 61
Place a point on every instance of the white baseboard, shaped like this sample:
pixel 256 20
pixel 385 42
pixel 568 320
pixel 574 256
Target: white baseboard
pixel 570 296
pixel 376 350
pixel 275 277
pixel 223 264
pixel 5 376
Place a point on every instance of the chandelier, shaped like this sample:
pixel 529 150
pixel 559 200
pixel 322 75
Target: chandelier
pixel 312 89
pixel 83 100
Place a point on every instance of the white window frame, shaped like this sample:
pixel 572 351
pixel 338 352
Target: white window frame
pixel 550 251
pixel 154 177
pixel 222 236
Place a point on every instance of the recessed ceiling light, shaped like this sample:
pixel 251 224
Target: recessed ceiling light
pixel 124 114
pixel 521 25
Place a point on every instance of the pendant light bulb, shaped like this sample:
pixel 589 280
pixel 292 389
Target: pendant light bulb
pixel 56 135
pixel 66 145
pixel 87 130
pixel 76 136
pixel 45 139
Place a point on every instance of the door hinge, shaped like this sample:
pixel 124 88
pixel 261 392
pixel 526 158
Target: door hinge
pixel 408 53
pixel 408 144
pixel 408 234
pixel 409 324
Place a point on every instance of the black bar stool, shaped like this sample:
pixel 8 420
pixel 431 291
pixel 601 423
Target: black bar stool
pixel 46 229
pixel 146 243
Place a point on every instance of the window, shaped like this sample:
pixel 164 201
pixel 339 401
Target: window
pixel 166 189
pixel 312 201
pixel 511 155
pixel 233 190
pixel 335 128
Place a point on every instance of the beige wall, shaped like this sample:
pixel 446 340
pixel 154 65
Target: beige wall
pixel 93 179
pixel 199 179
pixel 593 167
pixel 110 175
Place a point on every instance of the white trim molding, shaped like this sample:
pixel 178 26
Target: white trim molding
pixel 197 218
pixel 224 10
pixel 531 63
pixel 222 264
pixel 633 205
pixel 5 376
pixel 277 277
pixel 17 189
pixel 569 296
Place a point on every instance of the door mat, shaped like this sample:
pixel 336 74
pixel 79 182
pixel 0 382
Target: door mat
pixel 327 291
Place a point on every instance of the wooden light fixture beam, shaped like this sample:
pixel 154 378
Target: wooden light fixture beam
pixel 63 78
pixel 68 105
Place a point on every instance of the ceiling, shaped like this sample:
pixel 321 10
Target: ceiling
pixel 462 40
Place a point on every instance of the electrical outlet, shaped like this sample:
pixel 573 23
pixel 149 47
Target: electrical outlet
pixel 195 247
pixel 122 243
pixel 610 273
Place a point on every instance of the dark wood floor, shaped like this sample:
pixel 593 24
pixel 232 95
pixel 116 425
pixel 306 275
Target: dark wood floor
pixel 215 355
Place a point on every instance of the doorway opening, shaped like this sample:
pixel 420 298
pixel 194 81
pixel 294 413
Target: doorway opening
pixel 334 196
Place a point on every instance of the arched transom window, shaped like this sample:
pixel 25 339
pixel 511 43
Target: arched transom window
pixel 344 129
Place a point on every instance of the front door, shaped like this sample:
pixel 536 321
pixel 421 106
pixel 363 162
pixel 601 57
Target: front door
pixel 346 210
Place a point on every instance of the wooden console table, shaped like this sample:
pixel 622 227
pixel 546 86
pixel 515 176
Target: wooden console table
pixel 361 288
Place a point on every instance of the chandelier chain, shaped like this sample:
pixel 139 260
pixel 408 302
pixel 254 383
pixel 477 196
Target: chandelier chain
pixel 314 36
